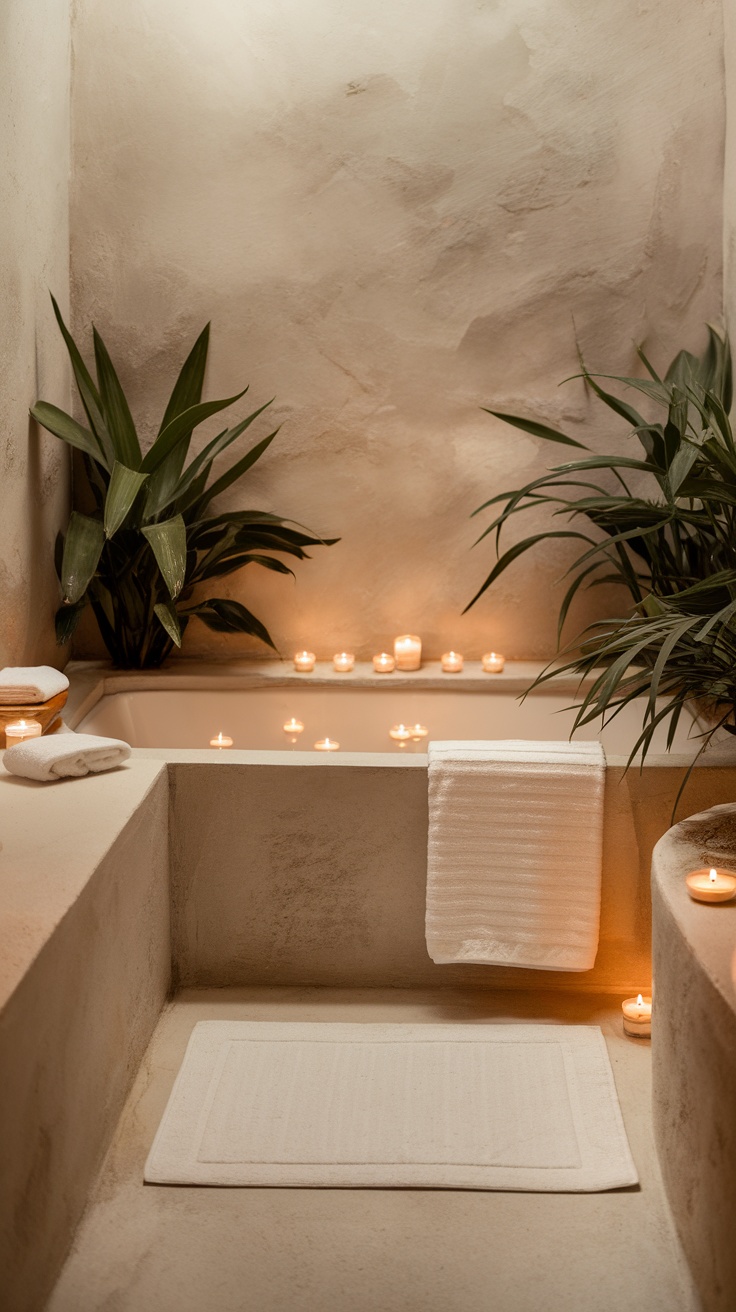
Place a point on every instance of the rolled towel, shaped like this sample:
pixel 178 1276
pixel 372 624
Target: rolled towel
pixel 22 685
pixel 62 756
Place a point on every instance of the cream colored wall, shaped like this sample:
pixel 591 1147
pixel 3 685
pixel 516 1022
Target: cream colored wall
pixel 729 176
pixel 34 258
pixel 391 214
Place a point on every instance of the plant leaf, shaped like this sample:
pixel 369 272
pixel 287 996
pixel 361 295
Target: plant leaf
pixel 178 428
pixel 62 425
pixel 125 484
pixel 536 430
pixel 88 392
pixel 165 613
pixel 118 419
pixel 225 616
pixel 83 545
pixel 168 541
pixel 235 472
pixel 66 620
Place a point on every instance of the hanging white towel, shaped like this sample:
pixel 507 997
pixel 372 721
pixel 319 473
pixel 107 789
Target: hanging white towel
pixel 25 685
pixel 515 851
pixel 67 755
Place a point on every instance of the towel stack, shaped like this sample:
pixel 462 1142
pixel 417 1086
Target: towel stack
pixel 515 853
pixel 30 685
pixel 38 692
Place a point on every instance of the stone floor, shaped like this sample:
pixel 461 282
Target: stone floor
pixel 157 1248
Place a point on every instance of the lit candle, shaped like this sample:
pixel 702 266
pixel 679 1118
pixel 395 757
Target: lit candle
pixel 327 745
pixel 711 885
pixel 408 652
pixel 384 663
pixel 293 728
pixel 401 733
pixel 492 662
pixel 343 662
pixel 304 661
pixel 452 662
pixel 221 741
pixel 418 731
pixel 638 1016
pixel 20 730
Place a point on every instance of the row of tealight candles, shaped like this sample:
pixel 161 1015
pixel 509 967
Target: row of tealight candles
pixel 407 656
pixel 710 884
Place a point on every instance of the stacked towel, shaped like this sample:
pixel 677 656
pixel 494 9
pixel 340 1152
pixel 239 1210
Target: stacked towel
pixel 515 848
pixel 64 755
pixel 26 685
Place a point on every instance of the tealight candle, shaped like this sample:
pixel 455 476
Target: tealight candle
pixel 418 731
pixel 408 652
pixel 221 740
pixel 452 662
pixel 326 745
pixel 384 663
pixel 304 661
pixel 293 728
pixel 492 663
pixel 20 730
pixel 400 733
pixel 638 1017
pixel 343 662
pixel 711 885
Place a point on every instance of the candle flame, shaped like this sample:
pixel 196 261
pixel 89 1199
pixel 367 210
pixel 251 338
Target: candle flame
pixel 713 875
pixel 639 1000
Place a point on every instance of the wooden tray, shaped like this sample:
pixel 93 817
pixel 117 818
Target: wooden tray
pixel 45 712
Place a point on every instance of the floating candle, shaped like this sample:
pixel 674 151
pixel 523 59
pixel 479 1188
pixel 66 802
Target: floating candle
pixel 326 745
pixel 713 885
pixel 20 730
pixel 343 662
pixel 400 733
pixel 293 728
pixel 304 661
pixel 418 732
pixel 384 663
pixel 221 741
pixel 408 651
pixel 492 662
pixel 452 662
pixel 638 1016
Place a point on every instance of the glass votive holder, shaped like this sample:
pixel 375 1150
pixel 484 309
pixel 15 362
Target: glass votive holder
pixel 408 651
pixel 326 745
pixel 21 730
pixel 343 662
pixel 304 661
pixel 452 662
pixel 384 663
pixel 492 662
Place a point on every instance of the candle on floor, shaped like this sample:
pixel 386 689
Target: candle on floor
pixel 20 730
pixel 408 651
pixel 326 745
pixel 452 662
pixel 492 662
pixel 418 732
pixel 638 1016
pixel 711 885
pixel 304 661
pixel 384 663
pixel 293 728
pixel 400 733
pixel 221 741
pixel 343 662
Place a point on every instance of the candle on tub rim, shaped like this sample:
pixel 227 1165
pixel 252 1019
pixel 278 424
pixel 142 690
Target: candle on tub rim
pixel 452 663
pixel 343 662
pixel 711 885
pixel 493 662
pixel 408 651
pixel 21 730
pixel 400 733
pixel 418 732
pixel 384 663
pixel 638 1016
pixel 326 745
pixel 221 741
pixel 304 661
pixel 293 727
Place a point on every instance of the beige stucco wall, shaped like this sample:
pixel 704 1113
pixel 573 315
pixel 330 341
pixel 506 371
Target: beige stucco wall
pixel 391 214
pixel 34 258
pixel 729 177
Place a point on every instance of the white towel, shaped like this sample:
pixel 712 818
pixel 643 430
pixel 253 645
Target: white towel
pixel 24 685
pixel 515 848
pixel 64 755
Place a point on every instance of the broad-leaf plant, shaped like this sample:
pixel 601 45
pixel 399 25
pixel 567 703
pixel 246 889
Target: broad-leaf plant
pixel 154 537
pixel 660 520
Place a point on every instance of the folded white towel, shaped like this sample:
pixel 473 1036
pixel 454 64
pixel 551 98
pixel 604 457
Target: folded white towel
pixel 64 755
pixel 515 848
pixel 24 685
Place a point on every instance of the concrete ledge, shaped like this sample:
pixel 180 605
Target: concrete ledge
pixel 694 1050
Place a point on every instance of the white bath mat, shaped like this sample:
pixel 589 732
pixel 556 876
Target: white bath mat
pixel 530 1107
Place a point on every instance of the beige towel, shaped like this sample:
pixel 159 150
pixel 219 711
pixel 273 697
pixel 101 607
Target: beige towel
pixel 66 755
pixel 24 685
pixel 515 847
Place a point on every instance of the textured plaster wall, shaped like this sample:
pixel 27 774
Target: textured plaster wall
pixel 391 214
pixel 729 178
pixel 34 257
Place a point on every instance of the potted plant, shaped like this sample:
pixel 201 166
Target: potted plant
pixel 153 537
pixel 671 542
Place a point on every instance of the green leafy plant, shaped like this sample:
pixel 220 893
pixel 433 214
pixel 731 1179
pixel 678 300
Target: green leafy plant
pixel 661 522
pixel 152 539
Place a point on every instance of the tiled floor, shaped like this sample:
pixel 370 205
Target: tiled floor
pixel 171 1249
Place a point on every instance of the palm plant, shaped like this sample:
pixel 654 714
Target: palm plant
pixel 151 541
pixel 670 540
